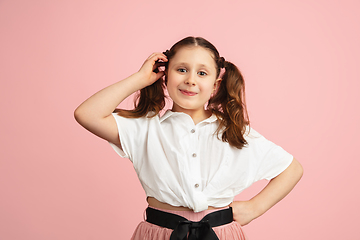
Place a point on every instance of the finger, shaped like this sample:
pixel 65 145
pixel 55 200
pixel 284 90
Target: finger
pixel 155 61
pixel 159 64
pixel 159 75
pixel 151 56
pixel 157 56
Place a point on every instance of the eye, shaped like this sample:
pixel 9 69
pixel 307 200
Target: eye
pixel 181 70
pixel 202 73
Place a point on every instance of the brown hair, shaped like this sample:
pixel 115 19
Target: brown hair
pixel 228 103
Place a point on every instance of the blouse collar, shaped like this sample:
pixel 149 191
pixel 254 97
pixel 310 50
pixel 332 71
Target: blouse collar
pixel 170 113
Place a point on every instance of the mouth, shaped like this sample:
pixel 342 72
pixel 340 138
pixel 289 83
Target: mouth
pixel 188 93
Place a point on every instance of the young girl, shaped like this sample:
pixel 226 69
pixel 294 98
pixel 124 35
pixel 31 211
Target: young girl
pixel 195 158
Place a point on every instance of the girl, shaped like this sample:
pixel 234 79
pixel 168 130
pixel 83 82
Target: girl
pixel 194 159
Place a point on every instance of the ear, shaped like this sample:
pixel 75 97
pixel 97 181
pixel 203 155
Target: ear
pixel 216 84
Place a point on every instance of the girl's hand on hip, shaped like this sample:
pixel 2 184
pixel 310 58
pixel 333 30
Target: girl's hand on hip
pixel 243 212
pixel 149 70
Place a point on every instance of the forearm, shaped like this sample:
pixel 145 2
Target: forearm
pixel 104 102
pixel 94 114
pixel 246 211
pixel 277 188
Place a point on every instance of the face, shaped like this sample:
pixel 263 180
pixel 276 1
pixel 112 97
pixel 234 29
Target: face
pixel 191 79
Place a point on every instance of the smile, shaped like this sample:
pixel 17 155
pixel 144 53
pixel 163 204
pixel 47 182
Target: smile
pixel 188 93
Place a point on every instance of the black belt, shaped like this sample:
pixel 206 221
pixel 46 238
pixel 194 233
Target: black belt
pixel 201 230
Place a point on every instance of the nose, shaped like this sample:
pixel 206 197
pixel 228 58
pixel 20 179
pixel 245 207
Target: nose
pixel 190 80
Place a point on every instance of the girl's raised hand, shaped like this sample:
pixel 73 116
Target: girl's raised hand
pixel 149 70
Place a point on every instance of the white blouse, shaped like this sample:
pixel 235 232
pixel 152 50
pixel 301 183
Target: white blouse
pixel 184 164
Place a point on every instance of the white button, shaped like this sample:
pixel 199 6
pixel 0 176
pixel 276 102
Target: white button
pixel 194 154
pixel 192 130
pixel 196 185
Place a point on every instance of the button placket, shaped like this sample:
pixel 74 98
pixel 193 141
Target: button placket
pixel 194 159
pixel 194 155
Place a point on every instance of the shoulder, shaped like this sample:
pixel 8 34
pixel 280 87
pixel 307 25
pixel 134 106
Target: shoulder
pixel 256 141
pixel 134 126
pixel 251 134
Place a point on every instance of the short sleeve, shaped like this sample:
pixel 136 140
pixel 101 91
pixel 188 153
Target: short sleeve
pixel 131 132
pixel 269 159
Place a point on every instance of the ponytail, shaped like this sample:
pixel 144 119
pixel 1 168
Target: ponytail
pixel 149 99
pixel 228 104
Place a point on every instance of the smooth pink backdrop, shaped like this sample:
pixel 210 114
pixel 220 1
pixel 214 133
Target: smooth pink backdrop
pixel 300 60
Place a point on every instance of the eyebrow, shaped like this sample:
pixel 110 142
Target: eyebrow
pixel 184 63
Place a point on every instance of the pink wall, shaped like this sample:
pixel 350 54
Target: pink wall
pixel 300 60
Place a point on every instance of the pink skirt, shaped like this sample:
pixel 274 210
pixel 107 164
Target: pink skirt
pixel 149 231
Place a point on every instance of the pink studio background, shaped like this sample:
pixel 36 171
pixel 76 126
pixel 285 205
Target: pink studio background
pixel 300 60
